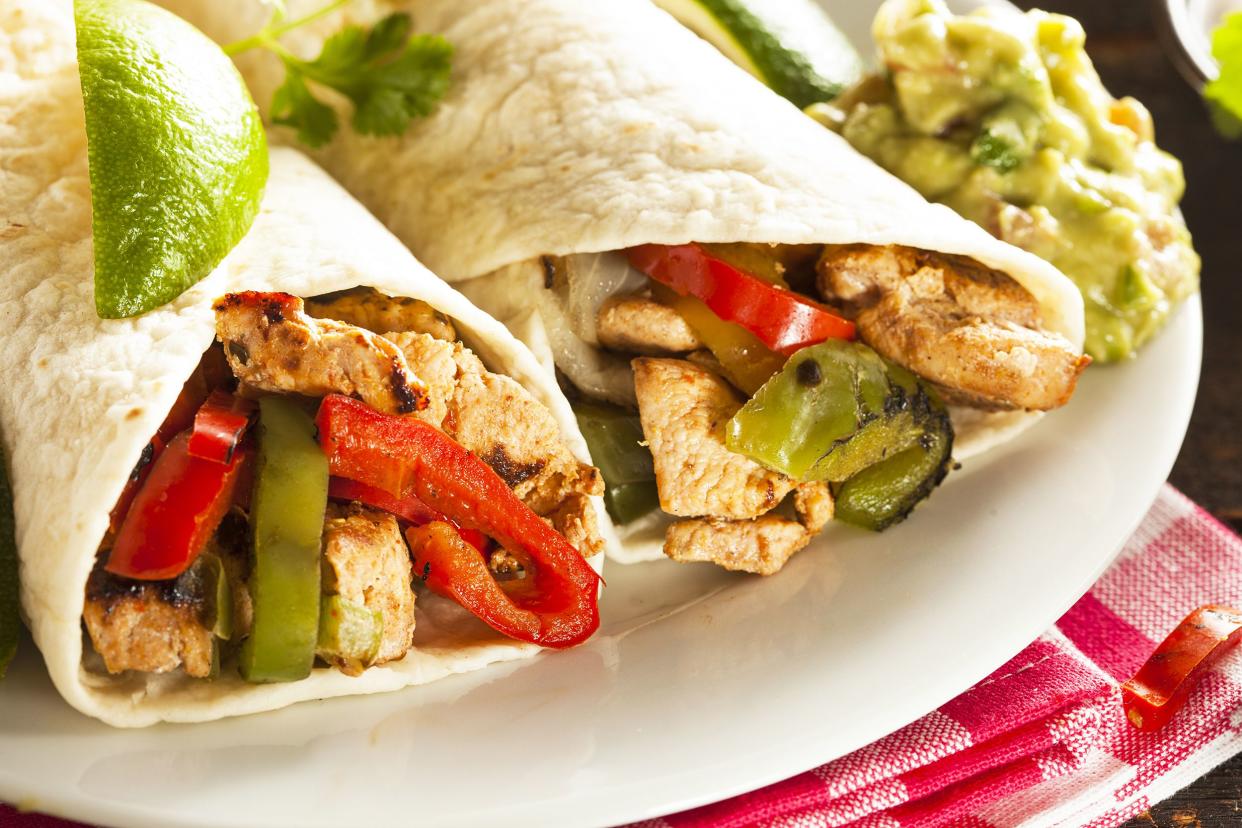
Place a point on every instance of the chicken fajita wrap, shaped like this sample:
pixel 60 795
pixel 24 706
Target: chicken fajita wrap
pixel 759 327
pixel 320 471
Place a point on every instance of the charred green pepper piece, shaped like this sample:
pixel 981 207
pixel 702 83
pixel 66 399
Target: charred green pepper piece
pixel 834 409
pixel 10 620
pixel 211 582
pixel 615 438
pixel 349 633
pixel 839 412
pixel 885 493
pixel 287 511
pixel 630 501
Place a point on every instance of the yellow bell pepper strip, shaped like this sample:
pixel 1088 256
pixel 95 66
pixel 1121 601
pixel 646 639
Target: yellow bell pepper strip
pixel 746 362
pixel 286 518
pixel 557 606
pixel 782 320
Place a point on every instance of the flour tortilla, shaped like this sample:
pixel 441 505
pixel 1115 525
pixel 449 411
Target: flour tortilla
pixel 81 396
pixel 577 127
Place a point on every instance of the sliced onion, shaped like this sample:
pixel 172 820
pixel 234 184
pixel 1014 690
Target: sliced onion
pixel 591 279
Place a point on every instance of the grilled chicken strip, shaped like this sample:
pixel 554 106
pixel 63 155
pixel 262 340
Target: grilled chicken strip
pixel 152 627
pixel 272 345
pixel 366 561
pixel 761 546
pixel 497 419
pixel 370 309
pixel 641 325
pixel 814 505
pixel 684 408
pixel 974 332
pixel 575 518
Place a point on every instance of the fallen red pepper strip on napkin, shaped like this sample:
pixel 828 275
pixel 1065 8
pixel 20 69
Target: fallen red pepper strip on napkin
pixel 1160 687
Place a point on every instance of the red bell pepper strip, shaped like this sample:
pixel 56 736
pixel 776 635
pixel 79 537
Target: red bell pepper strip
pixel 185 407
pixel 783 320
pixel 137 477
pixel 175 513
pixel 1160 687
pixel 557 607
pixel 219 425
pixel 180 417
pixel 408 508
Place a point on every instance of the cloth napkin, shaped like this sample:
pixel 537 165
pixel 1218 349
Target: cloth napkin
pixel 1043 740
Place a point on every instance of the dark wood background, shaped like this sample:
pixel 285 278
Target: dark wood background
pixel 1123 41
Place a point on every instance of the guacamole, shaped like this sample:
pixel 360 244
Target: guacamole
pixel 1002 117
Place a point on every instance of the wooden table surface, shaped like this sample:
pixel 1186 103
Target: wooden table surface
pixel 1123 41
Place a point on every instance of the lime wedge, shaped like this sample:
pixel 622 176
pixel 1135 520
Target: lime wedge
pixel 790 45
pixel 178 159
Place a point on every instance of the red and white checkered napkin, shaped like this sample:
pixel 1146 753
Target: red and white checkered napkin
pixel 1043 740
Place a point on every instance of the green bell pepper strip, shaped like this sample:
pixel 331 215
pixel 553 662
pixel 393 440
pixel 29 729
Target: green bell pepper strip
pixel 839 412
pixel 886 493
pixel 349 633
pixel 630 501
pixel 832 410
pixel 219 594
pixel 287 513
pixel 615 438
pixel 10 618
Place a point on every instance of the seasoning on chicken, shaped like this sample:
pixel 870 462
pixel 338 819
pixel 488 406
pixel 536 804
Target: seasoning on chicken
pixel 432 360
pixel 641 325
pixel 272 345
pixel 813 503
pixel 370 309
pixel 760 546
pixel 684 409
pixel 149 626
pixel 974 332
pixel 366 561
pixel 498 420
pixel 575 518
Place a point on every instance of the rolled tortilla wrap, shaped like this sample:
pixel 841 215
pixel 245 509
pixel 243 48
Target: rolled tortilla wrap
pixel 84 395
pixel 582 128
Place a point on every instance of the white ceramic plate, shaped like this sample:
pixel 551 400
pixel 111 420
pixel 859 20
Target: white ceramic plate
pixel 701 684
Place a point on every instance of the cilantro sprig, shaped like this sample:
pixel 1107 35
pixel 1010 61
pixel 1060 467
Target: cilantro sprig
pixel 389 75
pixel 1224 94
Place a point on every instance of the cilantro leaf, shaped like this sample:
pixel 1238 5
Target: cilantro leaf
pixel 1224 94
pixel 390 76
pixel 294 105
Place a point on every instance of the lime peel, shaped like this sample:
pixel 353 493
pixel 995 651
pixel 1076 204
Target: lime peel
pixel 1224 93
pixel 178 156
